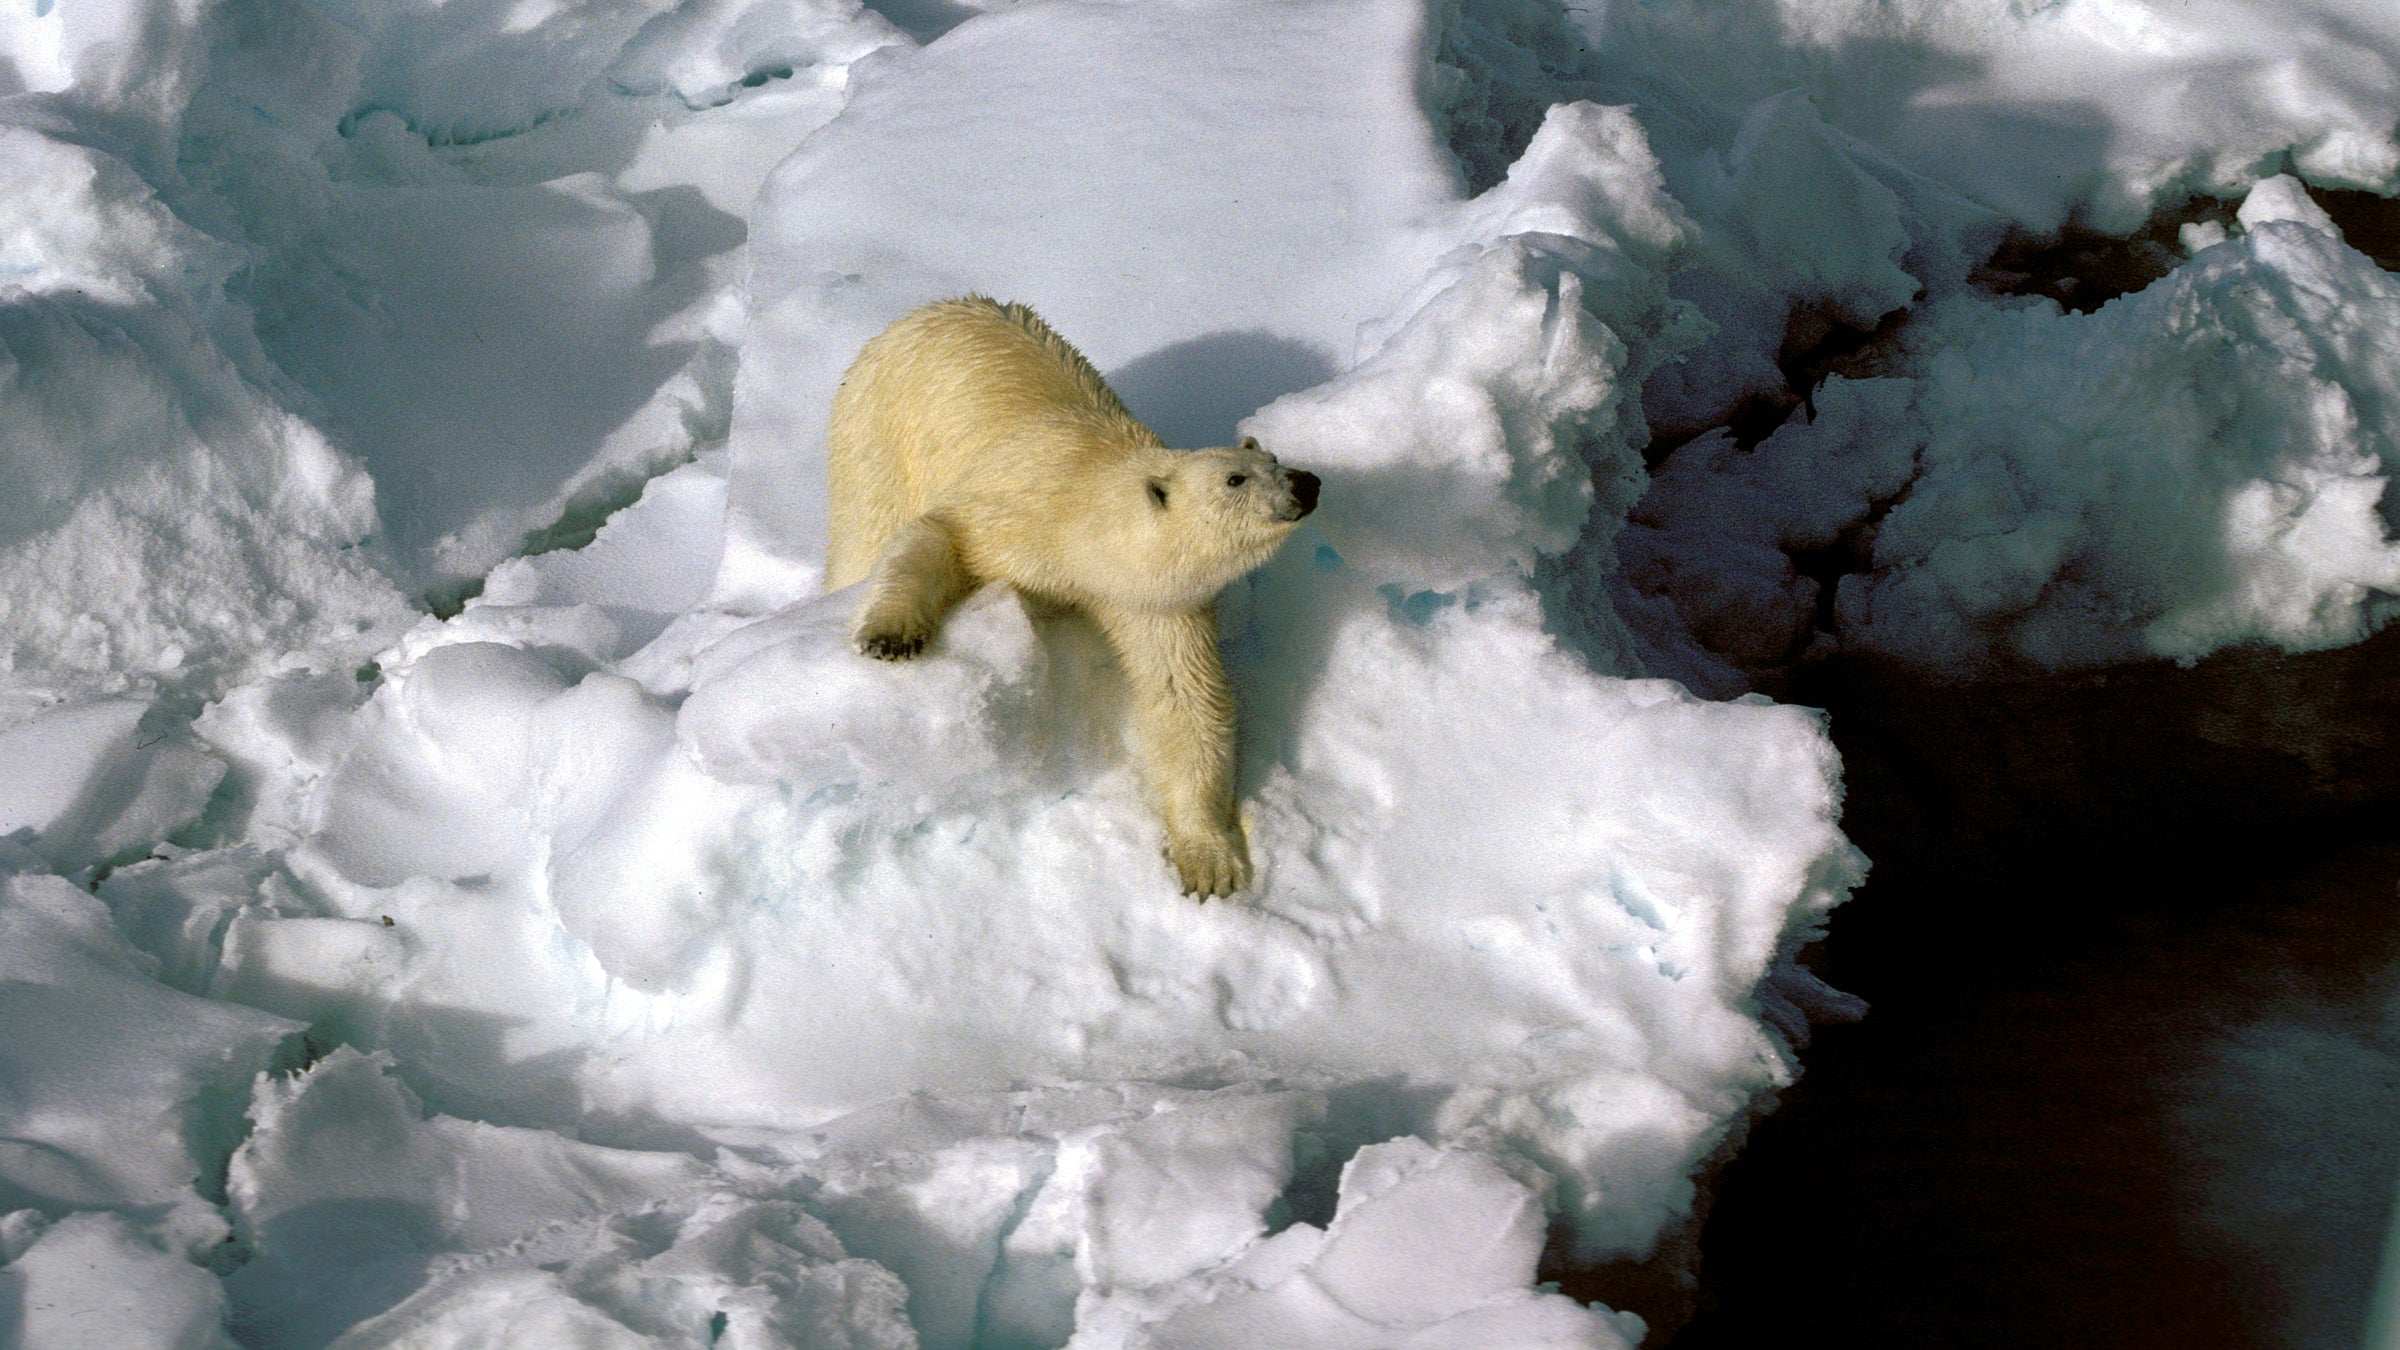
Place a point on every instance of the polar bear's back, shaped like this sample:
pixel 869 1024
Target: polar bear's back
pixel 953 394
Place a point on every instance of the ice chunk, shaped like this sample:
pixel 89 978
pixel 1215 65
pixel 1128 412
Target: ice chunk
pixel 646 564
pixel 703 49
pixel 2283 198
pixel 1393 1253
pixel 355 1204
pixel 176 910
pixel 95 1281
pixel 74 220
pixel 162 519
pixel 1184 1190
pixel 121 1093
pixel 1451 456
pixel 1000 1210
pixel 132 64
pixel 2200 464
pixel 1816 221
pixel 2098 111
pixel 1429 1248
pixel 101 782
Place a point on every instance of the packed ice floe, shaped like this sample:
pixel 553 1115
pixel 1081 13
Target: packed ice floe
pixel 622 960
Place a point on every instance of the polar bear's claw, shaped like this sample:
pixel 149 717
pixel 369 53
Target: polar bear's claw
pixel 1210 867
pixel 891 646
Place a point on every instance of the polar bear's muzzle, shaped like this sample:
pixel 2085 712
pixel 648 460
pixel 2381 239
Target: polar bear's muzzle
pixel 1304 492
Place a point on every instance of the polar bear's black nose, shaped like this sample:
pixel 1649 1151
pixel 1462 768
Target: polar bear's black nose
pixel 1304 490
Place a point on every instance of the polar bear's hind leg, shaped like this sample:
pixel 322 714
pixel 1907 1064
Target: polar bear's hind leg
pixel 914 584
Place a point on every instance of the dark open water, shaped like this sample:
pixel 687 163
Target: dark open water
pixel 2129 1078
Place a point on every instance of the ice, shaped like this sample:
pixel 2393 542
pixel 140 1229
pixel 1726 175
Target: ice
pixel 717 894
pixel 163 521
pixel 95 1281
pixel 2091 109
pixel 765 907
pixel 176 909
pixel 2200 464
pixel 645 565
pixel 1428 1248
pixel 410 1231
pixel 1161 109
pixel 101 782
pixel 122 1094
pixel 536 345
pixel 503 282
pixel 704 51
pixel 469 71
pixel 667 975
pixel 634 847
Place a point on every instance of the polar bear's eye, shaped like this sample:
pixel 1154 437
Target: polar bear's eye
pixel 1237 480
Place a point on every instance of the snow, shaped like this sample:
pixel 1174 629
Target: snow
pixel 92 787
pixel 164 518
pixel 462 889
pixel 118 1085
pixel 2102 109
pixel 372 1225
pixel 94 1281
pixel 1403 1206
pixel 2200 464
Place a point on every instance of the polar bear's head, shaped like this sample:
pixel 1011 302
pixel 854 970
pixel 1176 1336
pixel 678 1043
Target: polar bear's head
pixel 1224 511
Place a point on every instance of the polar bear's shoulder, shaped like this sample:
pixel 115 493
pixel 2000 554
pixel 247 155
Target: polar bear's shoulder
pixel 1043 339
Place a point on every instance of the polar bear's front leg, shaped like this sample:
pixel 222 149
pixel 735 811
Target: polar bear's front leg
pixel 1183 722
pixel 916 581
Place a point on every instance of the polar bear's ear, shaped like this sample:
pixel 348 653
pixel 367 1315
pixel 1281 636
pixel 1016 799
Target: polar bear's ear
pixel 1158 493
pixel 1250 442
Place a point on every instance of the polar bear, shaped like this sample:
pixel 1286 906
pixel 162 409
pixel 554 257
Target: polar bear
pixel 969 443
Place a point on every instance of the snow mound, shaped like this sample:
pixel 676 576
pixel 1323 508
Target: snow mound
pixel 704 50
pixel 2200 464
pixel 122 1093
pixel 371 1225
pixel 163 521
pixel 1429 1248
pixel 93 785
pixel 97 1279
pixel 2098 110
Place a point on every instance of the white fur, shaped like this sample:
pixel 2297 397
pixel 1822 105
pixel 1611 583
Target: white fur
pixel 969 443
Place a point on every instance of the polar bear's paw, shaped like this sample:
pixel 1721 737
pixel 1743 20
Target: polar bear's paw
pixel 1210 864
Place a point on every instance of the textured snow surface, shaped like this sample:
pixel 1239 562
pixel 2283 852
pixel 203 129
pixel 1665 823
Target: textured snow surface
pixel 620 960
pixel 2200 464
